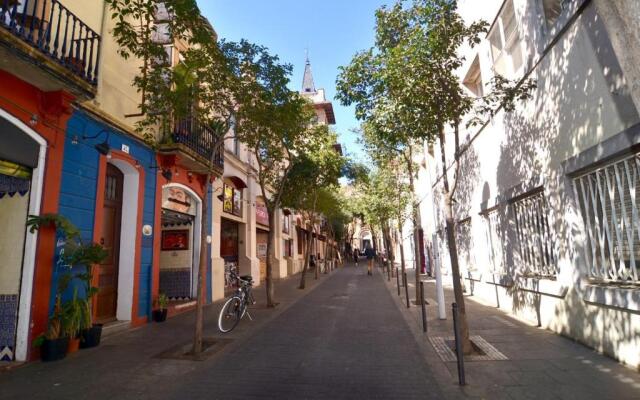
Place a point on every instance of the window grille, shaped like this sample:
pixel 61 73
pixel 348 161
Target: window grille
pixel 464 243
pixel 535 242
pixel 494 240
pixel 608 199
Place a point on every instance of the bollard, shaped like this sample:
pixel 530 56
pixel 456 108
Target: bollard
pixel 459 354
pixel 406 288
pixel 424 308
pixel 398 282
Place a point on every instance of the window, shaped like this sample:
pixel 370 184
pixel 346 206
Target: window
pixel 608 199
pixel 464 242
pixel 533 236
pixel 232 202
pixel 286 226
pixel 300 235
pixel 494 240
pixel 473 79
pixel 287 245
pixel 552 10
pixel 232 129
pixel 506 45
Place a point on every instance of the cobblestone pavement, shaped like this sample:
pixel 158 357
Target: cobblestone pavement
pixel 343 339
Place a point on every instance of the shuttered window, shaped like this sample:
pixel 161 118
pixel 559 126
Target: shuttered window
pixel 494 240
pixel 608 199
pixel 537 255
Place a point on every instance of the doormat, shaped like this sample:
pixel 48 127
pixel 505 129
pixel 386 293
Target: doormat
pixel 446 353
pixel 210 347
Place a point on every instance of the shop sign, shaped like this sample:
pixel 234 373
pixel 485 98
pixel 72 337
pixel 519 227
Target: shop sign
pixel 176 199
pixel 228 199
pixel 262 215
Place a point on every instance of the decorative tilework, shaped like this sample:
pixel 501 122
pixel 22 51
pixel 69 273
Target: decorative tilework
pixel 8 320
pixel 175 283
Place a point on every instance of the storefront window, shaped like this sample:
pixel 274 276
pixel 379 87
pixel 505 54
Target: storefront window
pixel 232 200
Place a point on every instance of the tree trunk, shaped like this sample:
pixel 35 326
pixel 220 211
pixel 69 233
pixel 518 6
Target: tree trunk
pixel 417 224
pixel 271 237
pixel 202 273
pixel 453 253
pixel 402 262
pixel 315 251
pixel 306 261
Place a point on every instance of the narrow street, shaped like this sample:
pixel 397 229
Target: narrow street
pixel 343 340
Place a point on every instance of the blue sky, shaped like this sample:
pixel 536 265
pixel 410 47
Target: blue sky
pixel 332 30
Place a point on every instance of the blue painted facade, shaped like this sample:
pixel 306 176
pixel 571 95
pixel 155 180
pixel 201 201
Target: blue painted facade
pixel 79 187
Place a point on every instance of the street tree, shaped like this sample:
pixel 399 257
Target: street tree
pixel 315 173
pixel 406 87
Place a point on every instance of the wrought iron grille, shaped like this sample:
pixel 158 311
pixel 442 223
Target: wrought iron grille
pixel 55 31
pixel 199 138
pixel 494 240
pixel 537 255
pixel 608 199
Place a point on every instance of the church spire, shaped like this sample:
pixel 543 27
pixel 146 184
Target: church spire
pixel 307 82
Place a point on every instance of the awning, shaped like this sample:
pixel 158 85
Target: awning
pixel 286 211
pixel 237 182
pixel 23 150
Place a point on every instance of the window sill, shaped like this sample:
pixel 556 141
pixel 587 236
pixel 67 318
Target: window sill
pixel 612 295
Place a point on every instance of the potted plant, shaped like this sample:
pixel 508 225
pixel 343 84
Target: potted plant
pixel 160 313
pixel 87 255
pixel 74 319
pixel 54 342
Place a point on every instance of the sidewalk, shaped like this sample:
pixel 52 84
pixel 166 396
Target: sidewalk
pixel 539 364
pixel 128 361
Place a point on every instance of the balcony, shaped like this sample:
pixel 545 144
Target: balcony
pixel 45 44
pixel 195 143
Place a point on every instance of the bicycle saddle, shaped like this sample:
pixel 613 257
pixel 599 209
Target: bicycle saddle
pixel 247 278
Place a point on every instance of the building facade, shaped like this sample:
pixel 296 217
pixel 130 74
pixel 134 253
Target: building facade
pixel 547 217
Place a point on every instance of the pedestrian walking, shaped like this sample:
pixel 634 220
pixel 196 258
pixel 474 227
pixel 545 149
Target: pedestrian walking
pixel 356 255
pixel 370 254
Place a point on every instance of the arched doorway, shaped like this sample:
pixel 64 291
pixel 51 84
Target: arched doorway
pixel 180 242
pixel 22 168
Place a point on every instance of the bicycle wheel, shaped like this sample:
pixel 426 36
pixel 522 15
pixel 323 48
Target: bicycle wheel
pixel 230 314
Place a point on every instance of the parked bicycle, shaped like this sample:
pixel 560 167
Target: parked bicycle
pixel 235 308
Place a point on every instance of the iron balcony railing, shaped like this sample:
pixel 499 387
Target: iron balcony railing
pixel 199 138
pixel 55 31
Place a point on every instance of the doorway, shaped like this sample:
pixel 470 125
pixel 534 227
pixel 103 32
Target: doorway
pixel 107 273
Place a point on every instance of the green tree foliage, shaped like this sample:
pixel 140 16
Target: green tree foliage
pixel 406 89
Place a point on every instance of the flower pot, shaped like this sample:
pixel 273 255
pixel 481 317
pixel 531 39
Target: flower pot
pixel 160 315
pixel 90 337
pixel 74 345
pixel 56 349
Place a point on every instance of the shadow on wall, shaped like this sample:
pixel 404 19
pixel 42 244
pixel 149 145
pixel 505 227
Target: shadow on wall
pixel 580 101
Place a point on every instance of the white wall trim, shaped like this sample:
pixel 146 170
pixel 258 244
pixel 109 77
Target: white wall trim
pixel 31 240
pixel 128 235
pixel 197 229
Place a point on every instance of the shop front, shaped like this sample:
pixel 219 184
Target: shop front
pixel 262 235
pixel 229 251
pixel 32 126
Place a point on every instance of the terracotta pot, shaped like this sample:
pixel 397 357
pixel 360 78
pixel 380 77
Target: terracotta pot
pixel 74 345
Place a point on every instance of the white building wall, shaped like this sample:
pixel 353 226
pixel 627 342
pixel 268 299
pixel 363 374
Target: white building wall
pixel 582 101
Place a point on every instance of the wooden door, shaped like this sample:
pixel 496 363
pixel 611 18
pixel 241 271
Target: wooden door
pixel 107 272
pixel 262 239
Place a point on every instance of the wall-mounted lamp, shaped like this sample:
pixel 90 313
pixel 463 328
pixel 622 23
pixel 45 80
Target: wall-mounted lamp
pixel 102 148
pixel 167 174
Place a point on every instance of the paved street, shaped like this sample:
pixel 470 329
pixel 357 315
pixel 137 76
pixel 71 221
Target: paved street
pixel 345 339
pixel 348 336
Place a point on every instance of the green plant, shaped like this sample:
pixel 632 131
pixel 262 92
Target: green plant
pixel 62 224
pixel 162 301
pixel 57 320
pixel 74 315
